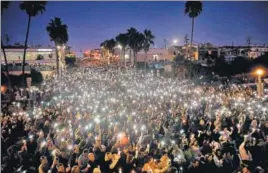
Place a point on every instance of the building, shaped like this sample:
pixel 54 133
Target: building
pixel 256 51
pixel 207 49
pixel 93 54
pixel 155 54
pixel 43 56
pixel 230 52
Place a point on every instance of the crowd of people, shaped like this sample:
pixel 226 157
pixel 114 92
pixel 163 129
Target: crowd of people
pixel 112 121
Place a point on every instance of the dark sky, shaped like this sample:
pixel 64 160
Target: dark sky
pixel 89 23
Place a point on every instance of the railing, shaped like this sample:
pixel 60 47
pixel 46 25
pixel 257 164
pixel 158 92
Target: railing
pixel 15 68
pixel 43 68
pixel 27 68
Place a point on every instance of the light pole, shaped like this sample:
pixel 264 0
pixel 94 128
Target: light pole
pixel 259 73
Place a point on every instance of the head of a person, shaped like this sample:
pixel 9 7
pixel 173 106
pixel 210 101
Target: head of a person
pixel 195 163
pixel 91 157
pixel 85 152
pixel 266 124
pixel 96 170
pixel 245 170
pixel 218 153
pixel 43 160
pixel 76 149
pixel 75 169
pixel 210 157
pixel 60 168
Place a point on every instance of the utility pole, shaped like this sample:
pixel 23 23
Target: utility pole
pixel 249 43
pixel 165 42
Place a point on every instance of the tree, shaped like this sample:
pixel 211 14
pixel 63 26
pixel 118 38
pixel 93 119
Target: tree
pixel 104 48
pixel 221 67
pixel 122 39
pixel 58 33
pixel 262 60
pixel 110 44
pixel 132 34
pixel 193 9
pixel 36 76
pixel 39 57
pixel 137 46
pixel 70 60
pixel 32 9
pixel 240 65
pixel 148 40
pixel 136 40
pixel 4 5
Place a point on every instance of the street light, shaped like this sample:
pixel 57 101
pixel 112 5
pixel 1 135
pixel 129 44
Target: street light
pixel 259 72
pixel 175 41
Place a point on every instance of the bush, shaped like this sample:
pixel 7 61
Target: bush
pixel 37 77
pixel 40 57
pixel 70 61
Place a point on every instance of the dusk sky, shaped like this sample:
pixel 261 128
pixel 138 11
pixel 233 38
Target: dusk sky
pixel 90 23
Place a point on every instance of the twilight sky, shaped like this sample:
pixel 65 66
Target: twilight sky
pixel 89 23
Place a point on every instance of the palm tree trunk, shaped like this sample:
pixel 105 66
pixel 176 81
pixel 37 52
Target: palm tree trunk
pixel 124 57
pixel 57 62
pixel 108 56
pixel 135 59
pixel 145 61
pixel 25 47
pixel 5 57
pixel 192 35
pixel 130 55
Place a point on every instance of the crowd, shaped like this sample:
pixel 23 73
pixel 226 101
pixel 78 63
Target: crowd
pixel 106 121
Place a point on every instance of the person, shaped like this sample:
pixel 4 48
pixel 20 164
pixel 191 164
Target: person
pixel 43 167
pixel 83 161
pixel 110 121
pixel 194 167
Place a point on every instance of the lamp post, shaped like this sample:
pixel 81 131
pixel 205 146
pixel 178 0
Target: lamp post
pixel 259 73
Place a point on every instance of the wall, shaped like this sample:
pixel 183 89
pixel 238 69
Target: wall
pixel 16 55
pixel 158 54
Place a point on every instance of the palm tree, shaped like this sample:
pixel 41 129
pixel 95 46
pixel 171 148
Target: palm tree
pixel 104 48
pixel 110 44
pixel 132 33
pixel 138 46
pixel 148 40
pixel 4 5
pixel 122 39
pixel 193 9
pixel 32 9
pixel 58 33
